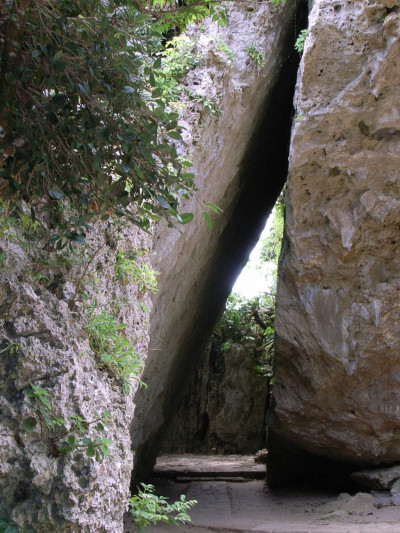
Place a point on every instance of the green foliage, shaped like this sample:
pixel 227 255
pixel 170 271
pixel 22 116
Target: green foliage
pixel 167 15
pixel 212 207
pixel 19 226
pixel 226 345
pixel 272 244
pixel 208 105
pixel 11 347
pixel 9 526
pixel 277 2
pixel 127 269
pixel 256 55
pixel 115 352
pixel 148 508
pixel 176 60
pixel 221 45
pixel 87 132
pixel 300 41
pixel 250 321
pixel 63 437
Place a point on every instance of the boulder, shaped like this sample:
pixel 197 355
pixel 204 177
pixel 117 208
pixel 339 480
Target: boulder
pixel 337 372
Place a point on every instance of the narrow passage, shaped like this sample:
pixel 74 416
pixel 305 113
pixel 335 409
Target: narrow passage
pixel 230 499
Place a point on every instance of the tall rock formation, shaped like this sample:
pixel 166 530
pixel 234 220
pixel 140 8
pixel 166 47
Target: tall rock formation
pixel 337 373
pixel 44 341
pixel 240 163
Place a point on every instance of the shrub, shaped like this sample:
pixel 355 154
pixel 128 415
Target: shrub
pixel 300 41
pixel 115 352
pixel 85 130
pixel 63 437
pixel 148 508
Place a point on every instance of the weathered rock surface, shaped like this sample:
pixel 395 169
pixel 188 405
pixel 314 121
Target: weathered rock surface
pixel 223 409
pixel 240 163
pixel 378 478
pixel 337 371
pixel 358 504
pixel 44 342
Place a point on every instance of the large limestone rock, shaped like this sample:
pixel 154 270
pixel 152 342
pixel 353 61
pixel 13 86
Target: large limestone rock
pixel 43 341
pixel 240 164
pixel 337 374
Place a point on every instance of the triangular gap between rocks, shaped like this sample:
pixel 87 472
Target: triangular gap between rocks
pixel 261 176
pixel 219 429
pixel 198 431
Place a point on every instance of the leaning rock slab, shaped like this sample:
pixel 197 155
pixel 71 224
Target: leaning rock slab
pixel 240 163
pixel 337 374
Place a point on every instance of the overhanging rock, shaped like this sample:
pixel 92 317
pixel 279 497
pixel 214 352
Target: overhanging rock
pixel 240 161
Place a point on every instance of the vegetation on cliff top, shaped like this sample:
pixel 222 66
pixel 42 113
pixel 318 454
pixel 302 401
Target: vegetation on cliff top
pixel 85 127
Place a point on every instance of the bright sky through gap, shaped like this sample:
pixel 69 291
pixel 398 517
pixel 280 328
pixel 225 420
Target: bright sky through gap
pixel 254 279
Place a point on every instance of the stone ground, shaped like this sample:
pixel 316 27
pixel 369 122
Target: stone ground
pixel 229 501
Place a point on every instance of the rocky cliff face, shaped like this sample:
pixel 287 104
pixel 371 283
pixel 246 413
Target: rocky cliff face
pixel 337 344
pixel 44 342
pixel 223 409
pixel 240 165
pixel 240 161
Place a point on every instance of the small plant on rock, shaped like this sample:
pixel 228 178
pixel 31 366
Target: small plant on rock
pixel 256 55
pixel 114 351
pixel 126 268
pixel 177 59
pixel 147 508
pixel 62 437
pixel 221 45
pixel 208 105
pixel 300 41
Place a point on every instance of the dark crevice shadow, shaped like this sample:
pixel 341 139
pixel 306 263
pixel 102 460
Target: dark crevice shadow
pixel 263 173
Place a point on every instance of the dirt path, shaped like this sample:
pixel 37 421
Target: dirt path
pixel 247 506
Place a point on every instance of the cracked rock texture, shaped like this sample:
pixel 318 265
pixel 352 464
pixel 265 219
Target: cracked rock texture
pixel 44 342
pixel 337 350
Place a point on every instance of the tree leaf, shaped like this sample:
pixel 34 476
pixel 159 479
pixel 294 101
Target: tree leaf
pixel 207 218
pixel 90 451
pixel 175 135
pixel 74 236
pixel 71 440
pixel 56 193
pixel 213 207
pixel 185 218
pixel 29 424
pixel 163 202
pixel 58 55
pixel 104 449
